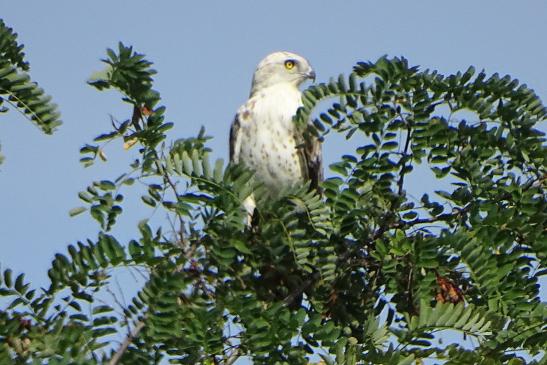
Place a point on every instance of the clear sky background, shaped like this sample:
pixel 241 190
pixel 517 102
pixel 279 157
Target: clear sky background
pixel 205 53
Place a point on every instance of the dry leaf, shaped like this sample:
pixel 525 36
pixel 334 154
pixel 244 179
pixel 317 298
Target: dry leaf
pixel 145 111
pixel 129 143
pixel 102 155
pixel 448 291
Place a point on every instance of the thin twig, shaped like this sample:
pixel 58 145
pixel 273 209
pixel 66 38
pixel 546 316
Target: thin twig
pixel 233 357
pixel 405 155
pixel 135 119
pixel 20 110
pixel 301 289
pixel 125 344
pixel 173 186
pixel 407 224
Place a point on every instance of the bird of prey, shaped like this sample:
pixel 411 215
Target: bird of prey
pixel 263 136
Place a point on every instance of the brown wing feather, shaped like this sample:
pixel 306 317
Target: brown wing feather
pixel 234 143
pixel 311 157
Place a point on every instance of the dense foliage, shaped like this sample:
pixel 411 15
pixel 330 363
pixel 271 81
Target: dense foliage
pixel 16 87
pixel 364 274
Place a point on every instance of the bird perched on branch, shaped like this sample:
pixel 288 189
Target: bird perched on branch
pixel 263 136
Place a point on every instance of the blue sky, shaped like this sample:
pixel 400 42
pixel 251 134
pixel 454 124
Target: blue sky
pixel 205 53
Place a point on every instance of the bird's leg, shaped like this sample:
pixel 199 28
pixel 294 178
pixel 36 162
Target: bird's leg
pixel 250 206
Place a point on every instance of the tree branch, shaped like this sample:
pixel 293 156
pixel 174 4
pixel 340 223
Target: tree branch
pixel 403 160
pixel 301 289
pixel 233 357
pixel 136 117
pixel 125 344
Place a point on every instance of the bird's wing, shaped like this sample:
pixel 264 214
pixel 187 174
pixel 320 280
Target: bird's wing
pixel 311 158
pixel 235 140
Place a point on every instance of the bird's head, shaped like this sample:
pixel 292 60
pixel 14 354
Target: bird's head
pixel 282 67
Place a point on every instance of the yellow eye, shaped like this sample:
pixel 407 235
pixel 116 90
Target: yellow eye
pixel 289 64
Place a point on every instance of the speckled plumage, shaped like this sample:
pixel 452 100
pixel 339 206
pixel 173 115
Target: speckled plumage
pixel 263 136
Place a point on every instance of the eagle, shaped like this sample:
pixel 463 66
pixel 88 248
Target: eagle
pixel 263 136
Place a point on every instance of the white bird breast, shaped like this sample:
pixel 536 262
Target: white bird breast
pixel 267 141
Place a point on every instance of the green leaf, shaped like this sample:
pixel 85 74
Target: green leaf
pixel 75 211
pixel 240 246
pixel 7 278
pixel 148 200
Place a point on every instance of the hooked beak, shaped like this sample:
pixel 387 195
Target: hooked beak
pixel 311 75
